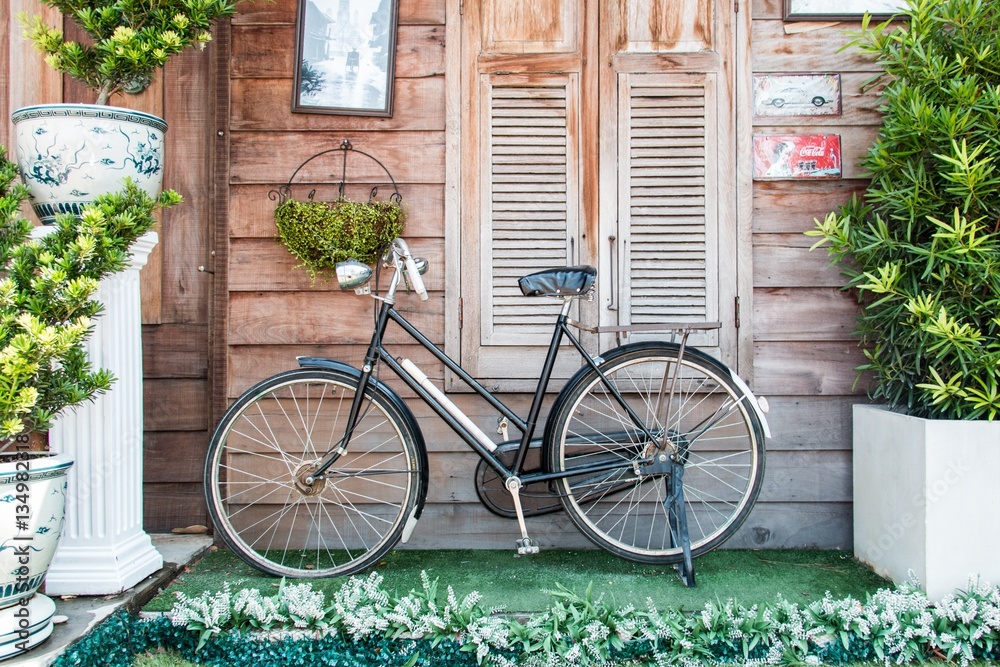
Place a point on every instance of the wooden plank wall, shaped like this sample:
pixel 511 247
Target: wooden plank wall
pixel 275 313
pixel 267 312
pixel 174 293
pixel 804 353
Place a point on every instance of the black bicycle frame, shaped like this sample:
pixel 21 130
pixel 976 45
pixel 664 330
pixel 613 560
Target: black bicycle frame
pixel 378 353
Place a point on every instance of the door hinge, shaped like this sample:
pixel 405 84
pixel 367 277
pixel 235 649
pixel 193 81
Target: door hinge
pixel 461 8
pixel 460 314
pixel 736 6
pixel 736 312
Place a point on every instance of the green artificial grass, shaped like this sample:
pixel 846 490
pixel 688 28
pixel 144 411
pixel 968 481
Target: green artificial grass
pixel 161 658
pixel 519 584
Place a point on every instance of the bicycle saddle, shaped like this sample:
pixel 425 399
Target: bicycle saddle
pixel 563 281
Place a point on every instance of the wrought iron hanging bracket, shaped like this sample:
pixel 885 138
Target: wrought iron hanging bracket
pixel 284 193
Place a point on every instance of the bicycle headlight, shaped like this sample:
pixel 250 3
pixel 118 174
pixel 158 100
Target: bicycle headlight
pixel 352 274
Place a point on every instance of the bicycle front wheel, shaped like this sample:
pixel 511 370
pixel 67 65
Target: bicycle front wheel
pixel 690 406
pixel 262 455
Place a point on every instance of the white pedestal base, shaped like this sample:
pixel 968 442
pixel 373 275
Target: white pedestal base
pixel 104 549
pixel 23 627
pixel 925 498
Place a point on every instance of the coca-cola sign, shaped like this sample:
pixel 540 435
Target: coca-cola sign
pixel 791 156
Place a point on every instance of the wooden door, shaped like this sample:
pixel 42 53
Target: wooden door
pixel 668 167
pixel 594 132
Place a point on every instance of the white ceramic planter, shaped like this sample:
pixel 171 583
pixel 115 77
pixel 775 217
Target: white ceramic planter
pixel 71 153
pixel 24 626
pixel 926 494
pixel 32 505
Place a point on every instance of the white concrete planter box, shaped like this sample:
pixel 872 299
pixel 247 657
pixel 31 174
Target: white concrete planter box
pixel 926 498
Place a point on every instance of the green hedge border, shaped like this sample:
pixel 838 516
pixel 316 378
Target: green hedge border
pixel 121 637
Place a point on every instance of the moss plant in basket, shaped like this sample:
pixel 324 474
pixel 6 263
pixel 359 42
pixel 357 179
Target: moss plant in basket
pixel 922 247
pixel 321 234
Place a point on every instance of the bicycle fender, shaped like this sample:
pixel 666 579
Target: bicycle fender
pixel 754 402
pixel 397 401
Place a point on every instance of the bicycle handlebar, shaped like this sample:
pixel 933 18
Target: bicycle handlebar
pixel 413 278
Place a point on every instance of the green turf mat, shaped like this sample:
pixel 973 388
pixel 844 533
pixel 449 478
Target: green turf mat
pixel 519 583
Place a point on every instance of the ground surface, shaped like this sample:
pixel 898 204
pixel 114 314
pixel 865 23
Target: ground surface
pixel 519 584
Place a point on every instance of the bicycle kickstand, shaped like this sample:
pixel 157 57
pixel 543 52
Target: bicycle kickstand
pixel 525 545
pixel 678 521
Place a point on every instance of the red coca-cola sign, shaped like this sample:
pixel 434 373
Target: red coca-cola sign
pixel 778 156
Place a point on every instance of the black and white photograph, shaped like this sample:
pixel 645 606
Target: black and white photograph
pixel 815 10
pixel 345 57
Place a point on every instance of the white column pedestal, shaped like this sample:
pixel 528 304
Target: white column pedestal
pixel 104 549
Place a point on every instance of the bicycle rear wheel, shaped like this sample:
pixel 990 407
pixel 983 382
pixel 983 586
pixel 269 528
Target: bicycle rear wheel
pixel 708 426
pixel 269 442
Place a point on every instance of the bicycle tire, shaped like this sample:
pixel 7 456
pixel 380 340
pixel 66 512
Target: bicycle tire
pixel 717 436
pixel 262 450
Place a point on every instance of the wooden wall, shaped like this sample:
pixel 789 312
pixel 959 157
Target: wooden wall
pixel 175 295
pixel 209 336
pixel 804 353
pixel 274 312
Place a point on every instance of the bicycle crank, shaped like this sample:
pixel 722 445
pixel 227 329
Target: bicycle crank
pixel 525 545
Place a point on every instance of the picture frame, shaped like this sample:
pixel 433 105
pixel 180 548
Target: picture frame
pixel 840 10
pixel 345 57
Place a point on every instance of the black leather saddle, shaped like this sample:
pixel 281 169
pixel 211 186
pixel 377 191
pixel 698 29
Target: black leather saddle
pixel 563 281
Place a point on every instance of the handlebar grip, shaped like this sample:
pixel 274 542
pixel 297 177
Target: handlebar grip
pixel 416 282
pixel 412 274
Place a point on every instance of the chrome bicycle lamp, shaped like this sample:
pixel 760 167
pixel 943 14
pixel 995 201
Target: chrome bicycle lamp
pixel 352 274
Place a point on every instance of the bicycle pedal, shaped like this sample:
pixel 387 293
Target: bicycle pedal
pixel 526 546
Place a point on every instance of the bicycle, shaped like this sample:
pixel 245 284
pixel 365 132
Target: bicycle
pixel 655 450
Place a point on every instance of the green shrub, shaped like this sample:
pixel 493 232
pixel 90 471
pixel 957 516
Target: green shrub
pixel 48 298
pixel 922 247
pixel 128 39
pixel 363 621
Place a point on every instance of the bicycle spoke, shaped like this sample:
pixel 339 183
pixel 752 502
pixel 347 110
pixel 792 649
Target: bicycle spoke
pixel 264 499
pixel 704 422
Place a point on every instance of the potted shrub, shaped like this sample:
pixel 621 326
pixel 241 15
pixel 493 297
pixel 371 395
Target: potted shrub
pixel 69 153
pixel 48 283
pixel 922 251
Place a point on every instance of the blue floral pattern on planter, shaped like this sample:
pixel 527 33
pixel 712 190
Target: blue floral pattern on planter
pixel 70 153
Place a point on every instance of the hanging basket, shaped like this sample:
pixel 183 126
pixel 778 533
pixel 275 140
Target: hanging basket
pixel 320 234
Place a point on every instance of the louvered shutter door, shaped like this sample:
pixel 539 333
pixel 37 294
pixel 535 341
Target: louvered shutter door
pixel 529 202
pixel 668 217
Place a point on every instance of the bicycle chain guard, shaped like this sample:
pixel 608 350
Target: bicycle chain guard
pixel 536 499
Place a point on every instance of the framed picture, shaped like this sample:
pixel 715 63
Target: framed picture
pixel 796 95
pixel 795 156
pixel 345 57
pixel 840 10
